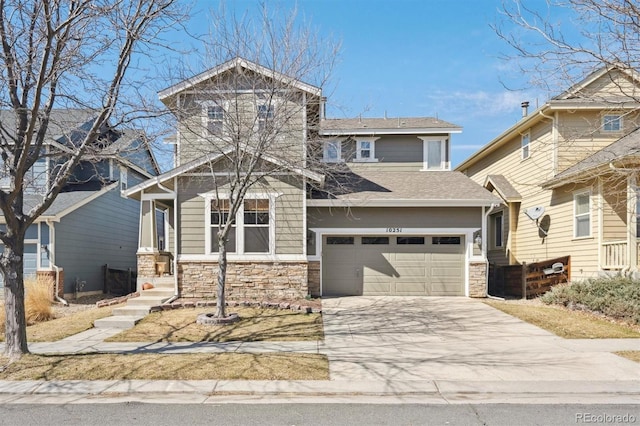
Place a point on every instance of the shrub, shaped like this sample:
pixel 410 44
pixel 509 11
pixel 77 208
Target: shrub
pixel 617 297
pixel 37 300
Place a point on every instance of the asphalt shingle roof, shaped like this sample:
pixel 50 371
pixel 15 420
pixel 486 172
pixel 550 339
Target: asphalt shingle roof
pixel 341 124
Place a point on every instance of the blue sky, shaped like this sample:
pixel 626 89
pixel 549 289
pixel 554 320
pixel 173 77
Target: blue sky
pixel 414 58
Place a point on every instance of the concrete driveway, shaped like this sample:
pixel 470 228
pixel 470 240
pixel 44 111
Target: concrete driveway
pixel 456 338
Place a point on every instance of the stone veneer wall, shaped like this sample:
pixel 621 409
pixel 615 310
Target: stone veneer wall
pixel 477 279
pixel 147 264
pixel 313 272
pixel 245 280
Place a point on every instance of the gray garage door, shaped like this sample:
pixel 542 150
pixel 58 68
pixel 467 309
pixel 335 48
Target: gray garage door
pixel 393 265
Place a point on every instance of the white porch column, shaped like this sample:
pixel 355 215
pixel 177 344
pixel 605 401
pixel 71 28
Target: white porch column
pixel 632 218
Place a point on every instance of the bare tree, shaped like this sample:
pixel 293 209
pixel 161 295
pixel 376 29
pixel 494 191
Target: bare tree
pixel 70 55
pixel 261 119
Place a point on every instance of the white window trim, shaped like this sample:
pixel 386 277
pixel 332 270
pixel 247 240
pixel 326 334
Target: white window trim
pixel 494 242
pixel 124 180
pixel 444 164
pixel 620 121
pixel 372 148
pixel 239 254
pixel 575 215
pixel 205 116
pixel 527 146
pixel 325 150
pixel 271 105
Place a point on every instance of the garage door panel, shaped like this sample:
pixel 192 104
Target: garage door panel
pixel 411 288
pixel 393 269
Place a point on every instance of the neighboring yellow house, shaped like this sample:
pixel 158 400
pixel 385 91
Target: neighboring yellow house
pixel 567 174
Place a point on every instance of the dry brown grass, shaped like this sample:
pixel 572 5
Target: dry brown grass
pixel 564 322
pixel 37 300
pixel 59 328
pixel 256 324
pixel 220 366
pixel 632 355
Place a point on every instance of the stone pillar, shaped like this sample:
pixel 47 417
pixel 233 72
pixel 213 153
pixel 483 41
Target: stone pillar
pixel 477 279
pixel 313 272
pixel 147 264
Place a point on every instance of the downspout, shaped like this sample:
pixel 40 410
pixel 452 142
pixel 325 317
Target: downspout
pixel 485 243
pixel 56 268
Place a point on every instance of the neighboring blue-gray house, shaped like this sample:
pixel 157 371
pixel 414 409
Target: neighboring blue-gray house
pixel 90 223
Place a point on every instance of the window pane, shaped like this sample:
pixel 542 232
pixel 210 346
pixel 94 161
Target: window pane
pixel 582 226
pixel 410 240
pixel 256 239
pixel 231 240
pixel 611 123
pixel 32 232
pixel 434 154
pixel 340 240
pixel 375 240
pixel 445 240
pixel 30 260
pixel 256 212
pixel 582 204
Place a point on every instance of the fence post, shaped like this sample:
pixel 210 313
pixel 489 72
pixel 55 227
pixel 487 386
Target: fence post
pixel 129 281
pixel 524 280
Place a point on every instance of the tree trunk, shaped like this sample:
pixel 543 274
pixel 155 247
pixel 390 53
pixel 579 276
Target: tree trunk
pixel 15 320
pixel 221 306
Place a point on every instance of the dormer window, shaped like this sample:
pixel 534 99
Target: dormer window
pixel 366 149
pixel 265 116
pixel 215 119
pixel 435 153
pixel 612 123
pixel 332 151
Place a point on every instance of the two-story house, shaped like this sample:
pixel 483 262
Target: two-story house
pixel 567 177
pixel 90 223
pixel 349 207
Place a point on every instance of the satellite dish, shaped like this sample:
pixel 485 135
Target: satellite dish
pixel 534 213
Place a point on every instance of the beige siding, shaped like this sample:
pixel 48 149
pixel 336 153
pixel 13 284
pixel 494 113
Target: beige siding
pixel 390 217
pixel 194 139
pixel 611 85
pixel 288 212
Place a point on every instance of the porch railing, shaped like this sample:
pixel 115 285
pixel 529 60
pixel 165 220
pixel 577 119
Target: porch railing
pixel 614 254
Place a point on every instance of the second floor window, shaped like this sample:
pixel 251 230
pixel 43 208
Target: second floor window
pixel 215 119
pixel 332 151
pixel 525 141
pixel 612 123
pixel 265 116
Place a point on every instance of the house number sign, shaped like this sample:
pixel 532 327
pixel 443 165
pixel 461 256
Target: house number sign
pixel 394 230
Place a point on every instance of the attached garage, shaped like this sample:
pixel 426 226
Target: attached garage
pixel 402 265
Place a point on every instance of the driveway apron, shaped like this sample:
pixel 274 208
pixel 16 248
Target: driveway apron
pixel 454 338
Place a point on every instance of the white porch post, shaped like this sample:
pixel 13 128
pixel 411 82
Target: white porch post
pixel 632 218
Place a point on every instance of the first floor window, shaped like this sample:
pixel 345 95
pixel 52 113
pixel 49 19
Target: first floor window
pixel 497 230
pixel 256 226
pixel 582 215
pixel 219 217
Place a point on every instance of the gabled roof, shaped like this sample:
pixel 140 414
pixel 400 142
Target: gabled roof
pixel 575 90
pixel 236 62
pixel 565 101
pixel 625 149
pixel 375 126
pixel 372 188
pixel 66 202
pixel 212 158
pixel 503 187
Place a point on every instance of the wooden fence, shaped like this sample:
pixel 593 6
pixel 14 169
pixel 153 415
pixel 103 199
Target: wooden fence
pixel 531 280
pixel 119 282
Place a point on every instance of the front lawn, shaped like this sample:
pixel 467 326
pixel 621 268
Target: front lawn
pixel 564 322
pixel 219 366
pixel 256 324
